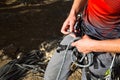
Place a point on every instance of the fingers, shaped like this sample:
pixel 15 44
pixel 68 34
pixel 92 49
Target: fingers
pixel 65 28
pixel 68 26
pixel 73 44
pixel 85 36
pixel 81 50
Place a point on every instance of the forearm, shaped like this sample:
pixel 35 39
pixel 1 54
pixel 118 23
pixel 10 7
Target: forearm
pixel 78 6
pixel 107 46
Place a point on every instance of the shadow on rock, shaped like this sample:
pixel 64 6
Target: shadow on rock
pixel 29 26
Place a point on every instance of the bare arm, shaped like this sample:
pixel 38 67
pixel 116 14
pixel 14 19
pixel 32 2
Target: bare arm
pixel 107 46
pixel 77 7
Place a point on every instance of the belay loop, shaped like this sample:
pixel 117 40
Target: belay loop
pixel 82 60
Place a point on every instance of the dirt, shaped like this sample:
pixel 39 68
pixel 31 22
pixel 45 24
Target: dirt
pixel 27 24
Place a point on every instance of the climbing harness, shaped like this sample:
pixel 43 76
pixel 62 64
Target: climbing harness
pixel 88 58
pixel 75 62
pixel 85 60
pixel 79 59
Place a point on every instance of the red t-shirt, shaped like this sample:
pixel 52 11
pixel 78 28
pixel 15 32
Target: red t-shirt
pixel 103 17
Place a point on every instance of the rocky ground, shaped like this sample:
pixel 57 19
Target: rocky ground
pixel 27 25
pixel 47 47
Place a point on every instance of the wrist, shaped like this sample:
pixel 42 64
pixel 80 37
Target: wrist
pixel 73 13
pixel 95 46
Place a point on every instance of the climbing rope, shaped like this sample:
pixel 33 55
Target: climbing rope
pixel 90 58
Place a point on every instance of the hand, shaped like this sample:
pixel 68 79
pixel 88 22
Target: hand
pixel 68 24
pixel 84 45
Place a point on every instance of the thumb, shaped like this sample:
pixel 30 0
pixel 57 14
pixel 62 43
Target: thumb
pixel 85 36
pixel 73 44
